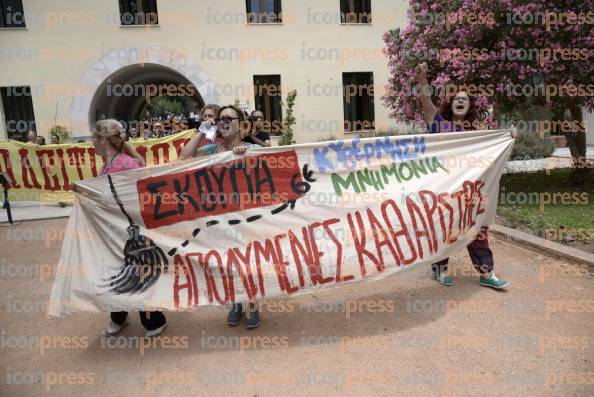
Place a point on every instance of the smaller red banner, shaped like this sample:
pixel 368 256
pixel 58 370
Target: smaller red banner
pixel 247 183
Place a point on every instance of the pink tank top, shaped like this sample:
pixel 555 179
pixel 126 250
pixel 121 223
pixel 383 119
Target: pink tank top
pixel 122 162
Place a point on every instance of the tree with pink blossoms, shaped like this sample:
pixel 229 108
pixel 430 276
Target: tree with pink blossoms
pixel 507 54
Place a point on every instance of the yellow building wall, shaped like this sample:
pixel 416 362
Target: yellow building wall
pixel 66 39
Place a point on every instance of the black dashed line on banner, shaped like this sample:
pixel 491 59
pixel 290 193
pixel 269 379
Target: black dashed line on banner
pixel 300 188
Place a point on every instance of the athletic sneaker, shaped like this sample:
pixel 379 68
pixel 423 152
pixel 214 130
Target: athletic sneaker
pixel 235 314
pixel 252 319
pixel 493 282
pixel 155 332
pixel 442 278
pixel 114 329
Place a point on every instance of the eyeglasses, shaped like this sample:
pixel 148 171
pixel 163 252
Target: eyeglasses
pixel 226 120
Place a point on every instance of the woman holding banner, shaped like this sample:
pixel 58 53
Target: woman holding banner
pixel 231 124
pixel 456 114
pixel 111 147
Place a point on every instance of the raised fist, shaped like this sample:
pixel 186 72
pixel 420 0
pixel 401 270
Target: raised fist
pixel 421 72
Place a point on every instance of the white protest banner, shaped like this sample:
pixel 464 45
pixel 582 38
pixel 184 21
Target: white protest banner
pixel 276 222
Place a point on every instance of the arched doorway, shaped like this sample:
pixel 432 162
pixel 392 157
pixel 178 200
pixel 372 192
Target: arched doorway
pixel 126 94
pixel 140 64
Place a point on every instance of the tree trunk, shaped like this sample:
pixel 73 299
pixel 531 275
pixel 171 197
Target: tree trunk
pixel 576 141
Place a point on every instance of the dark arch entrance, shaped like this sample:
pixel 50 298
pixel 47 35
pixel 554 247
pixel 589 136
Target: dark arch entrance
pixel 126 92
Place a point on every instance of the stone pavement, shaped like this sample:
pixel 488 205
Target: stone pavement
pixel 564 152
pixel 33 210
pixel 405 335
pixel 561 158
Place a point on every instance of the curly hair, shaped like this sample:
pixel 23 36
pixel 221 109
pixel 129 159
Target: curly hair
pixel 470 118
pixel 211 106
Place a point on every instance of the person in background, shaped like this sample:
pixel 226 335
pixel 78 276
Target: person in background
pixel 257 136
pixel 133 133
pixel 454 115
pixel 167 128
pixel 230 120
pixel 32 137
pixel 145 128
pixel 149 134
pixel 207 133
pixel 183 124
pixel 158 130
pixel 40 140
pixel 108 143
pixel 175 128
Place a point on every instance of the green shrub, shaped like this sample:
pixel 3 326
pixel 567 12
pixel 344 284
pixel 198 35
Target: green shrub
pixel 163 105
pixel 530 146
pixel 289 121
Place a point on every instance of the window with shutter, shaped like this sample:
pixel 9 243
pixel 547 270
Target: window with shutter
pixel 267 99
pixel 139 12
pixel 18 111
pixel 12 14
pixel 358 101
pixel 355 11
pixel 264 11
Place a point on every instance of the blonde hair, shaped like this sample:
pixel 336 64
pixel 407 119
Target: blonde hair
pixel 110 130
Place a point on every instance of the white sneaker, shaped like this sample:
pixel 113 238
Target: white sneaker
pixel 155 332
pixel 114 329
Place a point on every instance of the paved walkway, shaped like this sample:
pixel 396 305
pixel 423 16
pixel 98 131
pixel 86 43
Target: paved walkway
pixel 33 210
pixel 561 158
pixel 564 152
pixel 403 336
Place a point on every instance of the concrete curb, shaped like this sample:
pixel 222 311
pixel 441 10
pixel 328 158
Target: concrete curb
pixel 539 244
pixel 4 222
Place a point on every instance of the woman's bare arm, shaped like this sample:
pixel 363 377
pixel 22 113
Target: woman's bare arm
pixel 429 110
pixel 190 148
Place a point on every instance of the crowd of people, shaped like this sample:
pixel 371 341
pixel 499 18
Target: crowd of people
pixel 159 127
pixel 253 128
pixel 33 138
